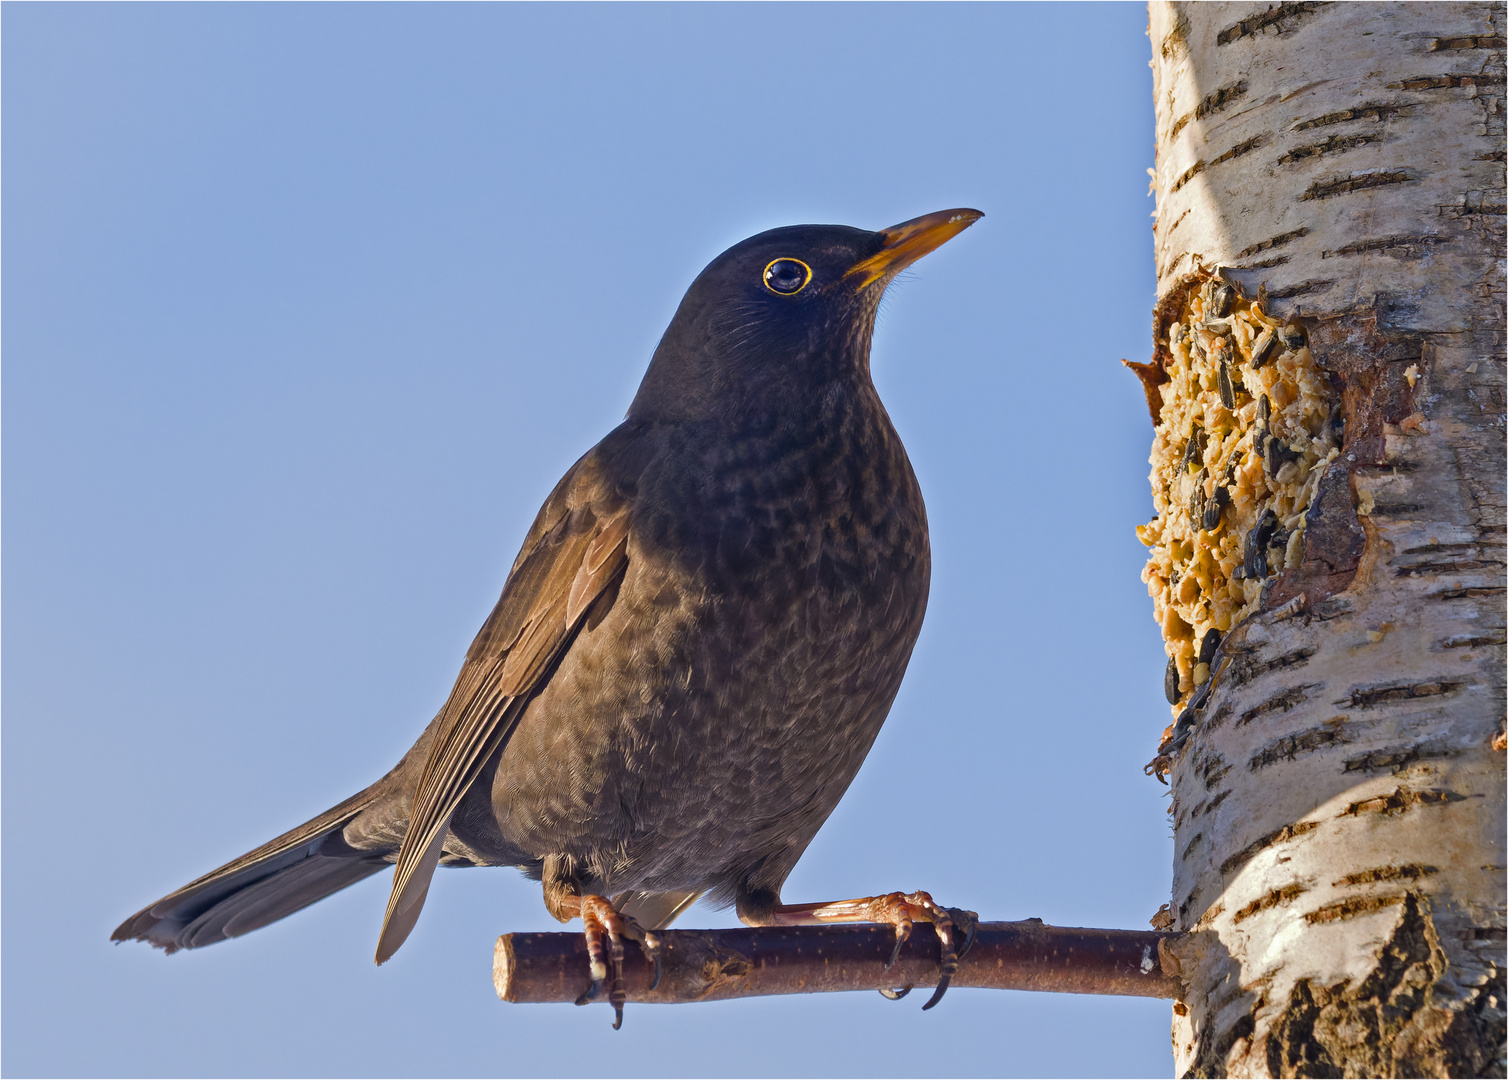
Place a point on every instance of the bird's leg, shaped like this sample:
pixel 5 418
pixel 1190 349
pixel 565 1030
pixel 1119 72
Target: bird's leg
pixel 605 930
pixel 899 910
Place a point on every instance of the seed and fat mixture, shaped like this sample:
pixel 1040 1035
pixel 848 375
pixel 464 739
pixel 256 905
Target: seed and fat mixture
pixel 1245 431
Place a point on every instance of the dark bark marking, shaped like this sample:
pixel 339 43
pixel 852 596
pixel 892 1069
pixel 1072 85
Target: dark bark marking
pixel 1274 18
pixel 1267 264
pixel 1418 569
pixel 1335 144
pixel 1372 696
pixel 1209 1059
pixel 1189 174
pixel 1333 608
pixel 1467 594
pixel 1401 801
pixel 1333 538
pixel 1212 770
pixel 1234 152
pixel 1473 202
pixel 1324 189
pixel 1291 746
pixel 1292 1049
pixel 1284 895
pixel 1244 669
pixel 1470 547
pixel 1177 39
pixel 1376 111
pixel 1349 908
pixel 1395 760
pixel 1464 641
pixel 1192 845
pixel 1278 703
pixel 1408 872
pixel 1301 289
pixel 1448 82
pixel 1278 836
pixel 1212 103
pixel 1402 247
pixel 1276 241
pixel 1389 1024
pixel 1392 510
pixel 1471 41
pixel 1207 807
pixel 1373 394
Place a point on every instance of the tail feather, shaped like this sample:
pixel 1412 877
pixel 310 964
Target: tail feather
pixel 280 877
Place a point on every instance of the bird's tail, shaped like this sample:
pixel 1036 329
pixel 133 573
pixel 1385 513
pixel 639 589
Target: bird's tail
pixel 277 879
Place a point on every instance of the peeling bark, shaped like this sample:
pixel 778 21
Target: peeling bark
pixel 1338 773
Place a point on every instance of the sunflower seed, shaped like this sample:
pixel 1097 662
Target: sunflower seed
pixel 1256 544
pixel 1193 449
pixel 1222 300
pixel 1208 646
pixel 1196 504
pixel 1214 507
pixel 1276 455
pixel 1263 350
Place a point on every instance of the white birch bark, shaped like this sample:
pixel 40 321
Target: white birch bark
pixel 1339 793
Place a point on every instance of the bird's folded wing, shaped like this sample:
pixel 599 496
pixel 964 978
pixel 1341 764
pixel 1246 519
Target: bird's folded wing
pixel 570 564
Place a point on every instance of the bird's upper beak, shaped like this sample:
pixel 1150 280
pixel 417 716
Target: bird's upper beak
pixel 909 241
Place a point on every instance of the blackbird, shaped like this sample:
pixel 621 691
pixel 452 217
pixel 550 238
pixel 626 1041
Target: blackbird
pixel 693 652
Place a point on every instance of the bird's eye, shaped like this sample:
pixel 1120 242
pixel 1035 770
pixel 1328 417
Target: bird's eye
pixel 787 276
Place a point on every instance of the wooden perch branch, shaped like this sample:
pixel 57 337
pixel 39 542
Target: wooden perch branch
pixel 713 965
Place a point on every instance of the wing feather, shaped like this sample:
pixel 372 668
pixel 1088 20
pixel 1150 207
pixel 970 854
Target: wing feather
pixel 577 557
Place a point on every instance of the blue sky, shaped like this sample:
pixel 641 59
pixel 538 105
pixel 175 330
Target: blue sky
pixel 306 309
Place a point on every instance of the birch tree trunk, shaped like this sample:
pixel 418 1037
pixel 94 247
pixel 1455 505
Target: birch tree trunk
pixel 1327 560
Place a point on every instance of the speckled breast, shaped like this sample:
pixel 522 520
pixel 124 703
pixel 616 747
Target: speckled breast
pixel 704 728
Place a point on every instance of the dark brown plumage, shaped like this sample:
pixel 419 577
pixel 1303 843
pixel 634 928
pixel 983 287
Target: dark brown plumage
pixel 695 647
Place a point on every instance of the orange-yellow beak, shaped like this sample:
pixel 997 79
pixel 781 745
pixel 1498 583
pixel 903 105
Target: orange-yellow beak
pixel 909 241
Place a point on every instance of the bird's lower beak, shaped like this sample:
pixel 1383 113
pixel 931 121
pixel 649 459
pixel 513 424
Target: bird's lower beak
pixel 909 241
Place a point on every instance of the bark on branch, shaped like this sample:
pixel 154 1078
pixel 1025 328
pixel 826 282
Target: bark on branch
pixel 713 965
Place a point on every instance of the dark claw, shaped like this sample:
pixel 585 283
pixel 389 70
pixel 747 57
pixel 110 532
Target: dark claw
pixel 942 988
pixel 895 953
pixel 595 993
pixel 949 966
pixel 969 919
pixel 949 958
pixel 896 995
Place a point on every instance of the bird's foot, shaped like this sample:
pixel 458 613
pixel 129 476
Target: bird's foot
pixel 901 911
pixel 606 930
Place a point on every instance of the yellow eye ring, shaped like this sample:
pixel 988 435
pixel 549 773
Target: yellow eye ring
pixel 786 276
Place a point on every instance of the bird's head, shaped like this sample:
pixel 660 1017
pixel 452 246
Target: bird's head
pixel 780 315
